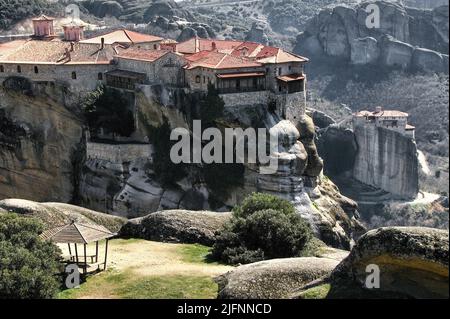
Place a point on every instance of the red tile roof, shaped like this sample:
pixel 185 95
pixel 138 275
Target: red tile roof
pixel 141 54
pixel 195 45
pixel 291 77
pixel 218 60
pixel 240 75
pixel 54 52
pixel 123 36
pixel 250 50
pixel 43 17
pixel 384 113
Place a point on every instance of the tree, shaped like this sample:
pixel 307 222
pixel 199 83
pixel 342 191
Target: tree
pixel 211 107
pixel 167 172
pixel 107 108
pixel 29 267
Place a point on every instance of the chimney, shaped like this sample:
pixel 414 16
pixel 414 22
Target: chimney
pixel 378 109
pixel 102 43
pixel 69 58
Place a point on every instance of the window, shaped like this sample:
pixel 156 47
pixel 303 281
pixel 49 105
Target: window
pixel 197 79
pixel 19 69
pixel 155 47
pixel 290 67
pixel 204 79
pixel 74 75
pixel 280 70
pixel 2 69
pixel 36 70
pixel 100 76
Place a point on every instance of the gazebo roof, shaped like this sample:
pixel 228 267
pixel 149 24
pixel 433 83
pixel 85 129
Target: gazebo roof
pixel 77 233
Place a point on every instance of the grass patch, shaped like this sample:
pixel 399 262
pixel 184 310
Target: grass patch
pixel 319 292
pixel 170 287
pixel 195 253
pixel 126 286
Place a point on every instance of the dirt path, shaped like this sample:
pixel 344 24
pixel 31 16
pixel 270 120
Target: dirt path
pixel 148 258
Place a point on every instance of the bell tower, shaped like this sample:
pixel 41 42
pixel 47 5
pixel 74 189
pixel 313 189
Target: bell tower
pixel 43 27
pixel 73 31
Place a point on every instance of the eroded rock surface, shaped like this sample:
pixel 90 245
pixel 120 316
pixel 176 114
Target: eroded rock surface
pixel 413 263
pixel 179 226
pixel 272 279
pixel 58 214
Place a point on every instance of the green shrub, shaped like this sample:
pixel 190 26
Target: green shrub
pixel 263 227
pixel 260 201
pixel 28 265
pixel 107 108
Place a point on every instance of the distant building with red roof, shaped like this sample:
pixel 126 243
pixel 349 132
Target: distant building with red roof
pixel 388 119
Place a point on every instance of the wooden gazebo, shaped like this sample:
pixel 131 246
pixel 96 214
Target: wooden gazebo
pixel 76 233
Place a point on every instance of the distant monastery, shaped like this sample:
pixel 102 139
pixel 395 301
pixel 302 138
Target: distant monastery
pixel 244 73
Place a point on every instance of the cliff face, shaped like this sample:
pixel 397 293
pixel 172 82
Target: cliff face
pixel 388 160
pixel 39 142
pixel 411 39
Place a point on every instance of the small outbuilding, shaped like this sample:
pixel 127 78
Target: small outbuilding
pixel 75 234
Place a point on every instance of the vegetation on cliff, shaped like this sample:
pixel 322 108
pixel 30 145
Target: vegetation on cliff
pixel 262 227
pixel 107 109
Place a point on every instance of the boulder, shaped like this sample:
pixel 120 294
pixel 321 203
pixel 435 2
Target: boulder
pixel 272 279
pixel 364 50
pixel 395 53
pixel 258 33
pixel 307 134
pixel 57 214
pixel 428 61
pixel 322 120
pixel 413 263
pixel 179 226
pixel 187 34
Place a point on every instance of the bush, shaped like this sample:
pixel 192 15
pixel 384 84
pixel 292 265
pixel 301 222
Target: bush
pixel 107 108
pixel 29 266
pixel 263 227
pixel 260 201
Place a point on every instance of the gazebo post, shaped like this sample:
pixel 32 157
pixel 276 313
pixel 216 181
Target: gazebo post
pixel 106 254
pixel 76 252
pixel 85 260
pixel 96 251
pixel 70 251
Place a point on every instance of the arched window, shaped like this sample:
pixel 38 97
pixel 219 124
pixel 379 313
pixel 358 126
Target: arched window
pixel 19 69
pixel 197 79
pixel 100 76
pixel 74 75
pixel 36 70
pixel 2 69
pixel 155 47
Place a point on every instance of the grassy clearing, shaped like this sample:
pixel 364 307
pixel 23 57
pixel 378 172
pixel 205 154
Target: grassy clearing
pixel 140 269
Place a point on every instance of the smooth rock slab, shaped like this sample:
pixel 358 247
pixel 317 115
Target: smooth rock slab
pixel 181 226
pixel 272 279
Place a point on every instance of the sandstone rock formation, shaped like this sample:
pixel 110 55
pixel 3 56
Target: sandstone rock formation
pixel 411 39
pixel 413 263
pixel 176 226
pixel 272 279
pixel 40 145
pixel 388 160
pixel 57 214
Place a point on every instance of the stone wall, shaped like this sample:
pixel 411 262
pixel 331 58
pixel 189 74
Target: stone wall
pixel 118 153
pixel 87 76
pixel 386 159
pixel 245 98
pixel 290 106
pixel 165 70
